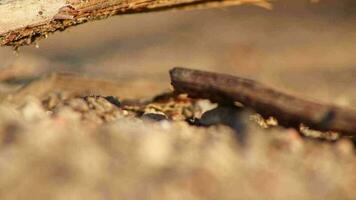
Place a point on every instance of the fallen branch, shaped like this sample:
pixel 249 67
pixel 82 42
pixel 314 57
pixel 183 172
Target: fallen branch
pixel 289 110
pixel 23 22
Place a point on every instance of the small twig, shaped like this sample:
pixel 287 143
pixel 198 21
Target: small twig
pixel 289 110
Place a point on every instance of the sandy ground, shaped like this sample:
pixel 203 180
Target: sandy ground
pixel 65 147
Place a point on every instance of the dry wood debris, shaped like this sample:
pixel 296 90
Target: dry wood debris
pixel 23 22
pixel 289 110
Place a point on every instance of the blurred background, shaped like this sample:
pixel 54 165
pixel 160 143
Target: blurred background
pixel 51 152
pixel 304 48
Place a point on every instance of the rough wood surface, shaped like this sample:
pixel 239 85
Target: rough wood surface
pixel 287 109
pixel 24 21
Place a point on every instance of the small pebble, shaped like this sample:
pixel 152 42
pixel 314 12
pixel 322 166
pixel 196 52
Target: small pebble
pixel 154 116
pixel 115 101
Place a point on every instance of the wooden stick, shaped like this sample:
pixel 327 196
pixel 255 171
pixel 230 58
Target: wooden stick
pixel 23 22
pixel 289 110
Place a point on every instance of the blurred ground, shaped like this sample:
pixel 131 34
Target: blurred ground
pixel 301 47
pixel 52 151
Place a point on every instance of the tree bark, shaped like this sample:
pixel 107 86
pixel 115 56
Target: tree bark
pixel 24 21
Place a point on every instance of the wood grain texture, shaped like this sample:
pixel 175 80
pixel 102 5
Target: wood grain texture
pixel 24 21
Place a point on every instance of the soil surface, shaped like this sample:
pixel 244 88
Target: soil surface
pixel 90 114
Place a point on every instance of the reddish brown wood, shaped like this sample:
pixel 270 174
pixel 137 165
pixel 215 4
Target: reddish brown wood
pixel 23 22
pixel 289 110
